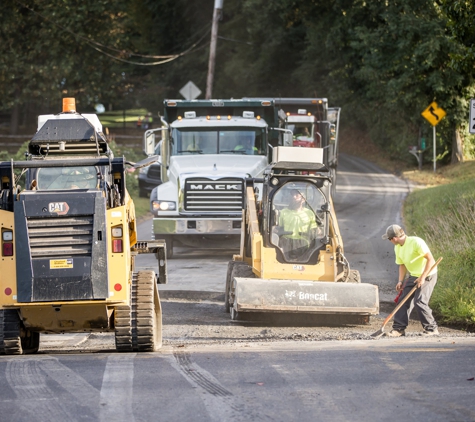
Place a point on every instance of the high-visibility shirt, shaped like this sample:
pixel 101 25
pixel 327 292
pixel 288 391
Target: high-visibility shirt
pixel 299 222
pixel 411 255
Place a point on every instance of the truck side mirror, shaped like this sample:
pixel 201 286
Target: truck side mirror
pixel 149 142
pixel 288 139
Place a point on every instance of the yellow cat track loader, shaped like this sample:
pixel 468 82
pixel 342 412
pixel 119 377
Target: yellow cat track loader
pixel 69 240
pixel 291 258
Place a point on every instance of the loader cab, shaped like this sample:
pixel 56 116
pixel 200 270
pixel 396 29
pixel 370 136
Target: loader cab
pixel 55 178
pixel 298 221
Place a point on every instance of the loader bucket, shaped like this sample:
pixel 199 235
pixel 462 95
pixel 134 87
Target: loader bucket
pixel 294 296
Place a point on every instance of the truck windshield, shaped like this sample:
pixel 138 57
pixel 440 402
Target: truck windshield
pixel 302 131
pixel 298 222
pixel 66 178
pixel 237 141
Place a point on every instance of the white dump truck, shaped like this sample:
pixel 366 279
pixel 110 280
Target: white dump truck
pixel 208 149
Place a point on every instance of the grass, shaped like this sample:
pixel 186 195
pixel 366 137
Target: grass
pixel 441 211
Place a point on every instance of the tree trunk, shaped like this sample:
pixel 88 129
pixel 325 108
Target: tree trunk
pixel 457 147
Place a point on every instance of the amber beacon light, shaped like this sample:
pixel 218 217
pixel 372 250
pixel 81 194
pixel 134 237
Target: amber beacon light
pixel 69 105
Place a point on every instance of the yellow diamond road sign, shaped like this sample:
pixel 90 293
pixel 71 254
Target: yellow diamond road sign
pixel 433 114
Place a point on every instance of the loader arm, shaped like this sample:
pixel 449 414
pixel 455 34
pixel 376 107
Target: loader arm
pixel 251 241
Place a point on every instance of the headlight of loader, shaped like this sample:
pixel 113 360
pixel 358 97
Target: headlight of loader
pixel 163 206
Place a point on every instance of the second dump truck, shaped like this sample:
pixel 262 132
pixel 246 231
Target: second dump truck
pixel 208 148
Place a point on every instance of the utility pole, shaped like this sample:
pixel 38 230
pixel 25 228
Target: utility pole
pixel 218 6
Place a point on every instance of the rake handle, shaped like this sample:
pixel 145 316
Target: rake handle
pixel 403 301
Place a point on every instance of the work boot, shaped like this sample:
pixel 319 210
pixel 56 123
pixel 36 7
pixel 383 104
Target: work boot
pixel 430 332
pixel 396 333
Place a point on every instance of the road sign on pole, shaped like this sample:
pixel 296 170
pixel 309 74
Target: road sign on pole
pixel 471 122
pixel 434 114
pixel 190 91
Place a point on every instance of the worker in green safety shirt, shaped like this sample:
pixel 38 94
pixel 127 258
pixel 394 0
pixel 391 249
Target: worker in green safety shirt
pixel 298 225
pixel 246 146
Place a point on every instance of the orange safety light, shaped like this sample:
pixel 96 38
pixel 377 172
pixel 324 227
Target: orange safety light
pixel 69 105
pixel 229 117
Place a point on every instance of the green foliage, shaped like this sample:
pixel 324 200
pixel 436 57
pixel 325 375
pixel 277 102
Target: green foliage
pixel 382 62
pixel 444 216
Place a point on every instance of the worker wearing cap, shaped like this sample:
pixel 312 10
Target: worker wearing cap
pixel 414 257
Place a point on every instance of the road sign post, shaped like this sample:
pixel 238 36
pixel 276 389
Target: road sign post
pixel 434 114
pixel 471 122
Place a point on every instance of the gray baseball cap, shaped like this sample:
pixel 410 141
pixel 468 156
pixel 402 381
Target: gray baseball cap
pixel 393 231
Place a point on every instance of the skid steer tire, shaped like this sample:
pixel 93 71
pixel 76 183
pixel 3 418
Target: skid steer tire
pixel 240 269
pixel 354 277
pixel 227 290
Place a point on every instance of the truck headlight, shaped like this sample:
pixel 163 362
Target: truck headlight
pixel 163 206
pixel 143 170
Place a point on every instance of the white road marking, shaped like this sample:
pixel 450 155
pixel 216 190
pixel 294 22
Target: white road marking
pixel 117 389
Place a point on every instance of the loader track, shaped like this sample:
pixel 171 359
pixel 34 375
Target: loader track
pixel 138 327
pixel 15 339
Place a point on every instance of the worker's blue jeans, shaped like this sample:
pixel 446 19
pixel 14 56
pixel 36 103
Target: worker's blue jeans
pixel 420 301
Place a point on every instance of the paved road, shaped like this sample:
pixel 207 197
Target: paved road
pixel 352 381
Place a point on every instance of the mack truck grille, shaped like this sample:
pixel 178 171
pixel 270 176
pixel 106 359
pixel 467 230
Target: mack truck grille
pixel 207 195
pixel 60 237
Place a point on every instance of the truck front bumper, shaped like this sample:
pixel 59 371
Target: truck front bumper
pixel 197 226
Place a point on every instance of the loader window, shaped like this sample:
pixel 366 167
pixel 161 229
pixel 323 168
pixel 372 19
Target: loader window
pixel 298 222
pixel 67 178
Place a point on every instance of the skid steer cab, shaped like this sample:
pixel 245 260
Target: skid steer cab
pixel 292 258
pixel 69 240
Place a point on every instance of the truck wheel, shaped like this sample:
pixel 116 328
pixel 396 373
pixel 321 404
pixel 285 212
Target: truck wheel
pixel 239 269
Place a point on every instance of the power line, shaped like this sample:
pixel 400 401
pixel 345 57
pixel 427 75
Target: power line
pixel 99 46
